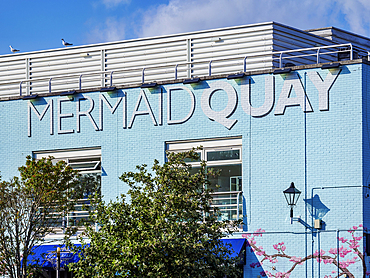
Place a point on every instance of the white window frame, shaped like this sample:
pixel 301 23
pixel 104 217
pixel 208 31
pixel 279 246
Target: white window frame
pixel 217 144
pixel 208 145
pixel 87 155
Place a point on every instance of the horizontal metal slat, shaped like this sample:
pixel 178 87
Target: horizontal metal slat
pixel 81 61
pixel 66 56
pixel 160 57
pixel 145 50
pixel 145 64
pixel 89 67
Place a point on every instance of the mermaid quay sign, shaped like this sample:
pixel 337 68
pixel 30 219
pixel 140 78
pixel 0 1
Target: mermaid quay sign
pixel 223 117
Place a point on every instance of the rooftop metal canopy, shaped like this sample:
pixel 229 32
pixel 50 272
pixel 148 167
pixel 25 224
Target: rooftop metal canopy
pixel 181 56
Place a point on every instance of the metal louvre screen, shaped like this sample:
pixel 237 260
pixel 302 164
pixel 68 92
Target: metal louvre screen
pixel 221 51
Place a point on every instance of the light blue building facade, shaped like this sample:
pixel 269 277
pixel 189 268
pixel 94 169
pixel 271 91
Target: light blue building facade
pixel 264 130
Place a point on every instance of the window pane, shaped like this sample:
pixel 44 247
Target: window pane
pixel 194 170
pixel 228 178
pixel 80 166
pixel 89 183
pixel 189 160
pixel 223 155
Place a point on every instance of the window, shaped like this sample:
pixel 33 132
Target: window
pixel 224 156
pixel 88 162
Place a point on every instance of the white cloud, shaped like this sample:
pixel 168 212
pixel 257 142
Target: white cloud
pixel 111 30
pixel 190 15
pixel 356 13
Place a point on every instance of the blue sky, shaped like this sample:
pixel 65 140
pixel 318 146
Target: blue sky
pixel 41 24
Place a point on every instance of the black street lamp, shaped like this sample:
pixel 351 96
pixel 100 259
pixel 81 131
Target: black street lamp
pixel 58 262
pixel 291 195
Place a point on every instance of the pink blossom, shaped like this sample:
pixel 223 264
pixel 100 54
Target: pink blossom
pixel 343 251
pixel 295 259
pixel 258 232
pixel 263 274
pixel 333 251
pixel 360 225
pixel 347 263
pixel 253 265
pixel 342 239
pixel 283 248
pixel 275 247
pixel 322 253
pixel 357 238
pixel 328 261
pixel 354 227
pixel 269 274
pixel 282 275
pixel 272 260
pixel 326 276
pixel 355 245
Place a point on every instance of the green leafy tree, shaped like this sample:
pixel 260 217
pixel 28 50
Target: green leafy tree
pixel 31 207
pixel 166 228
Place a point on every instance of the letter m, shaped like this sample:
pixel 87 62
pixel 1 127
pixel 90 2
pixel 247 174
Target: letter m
pixel 31 107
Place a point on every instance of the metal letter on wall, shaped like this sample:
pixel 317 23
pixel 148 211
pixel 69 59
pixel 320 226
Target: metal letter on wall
pixel 103 99
pixel 292 81
pixel 324 86
pixel 85 113
pixel 245 98
pixel 60 116
pixel 41 116
pixel 169 110
pixel 221 117
pixel 136 111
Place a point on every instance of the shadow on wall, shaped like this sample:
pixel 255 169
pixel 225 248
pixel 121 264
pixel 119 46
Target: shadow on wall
pixel 316 208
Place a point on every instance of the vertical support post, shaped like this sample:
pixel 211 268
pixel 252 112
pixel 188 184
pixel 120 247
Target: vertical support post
pixel 20 88
pixel 102 61
pixel 318 56
pixel 351 53
pixel 80 82
pixel 280 59
pixel 291 215
pixel 318 247
pixel 50 84
pixel 176 71
pixel 210 68
pixel 58 262
pixel 338 251
pixel 28 76
pixel 142 76
pixel 111 79
pixel 237 206
pixel 245 64
pixel 188 56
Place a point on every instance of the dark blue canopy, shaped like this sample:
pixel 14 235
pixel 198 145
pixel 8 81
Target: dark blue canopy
pixel 46 256
pixel 237 246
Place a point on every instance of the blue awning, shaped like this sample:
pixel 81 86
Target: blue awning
pixel 237 247
pixel 46 256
